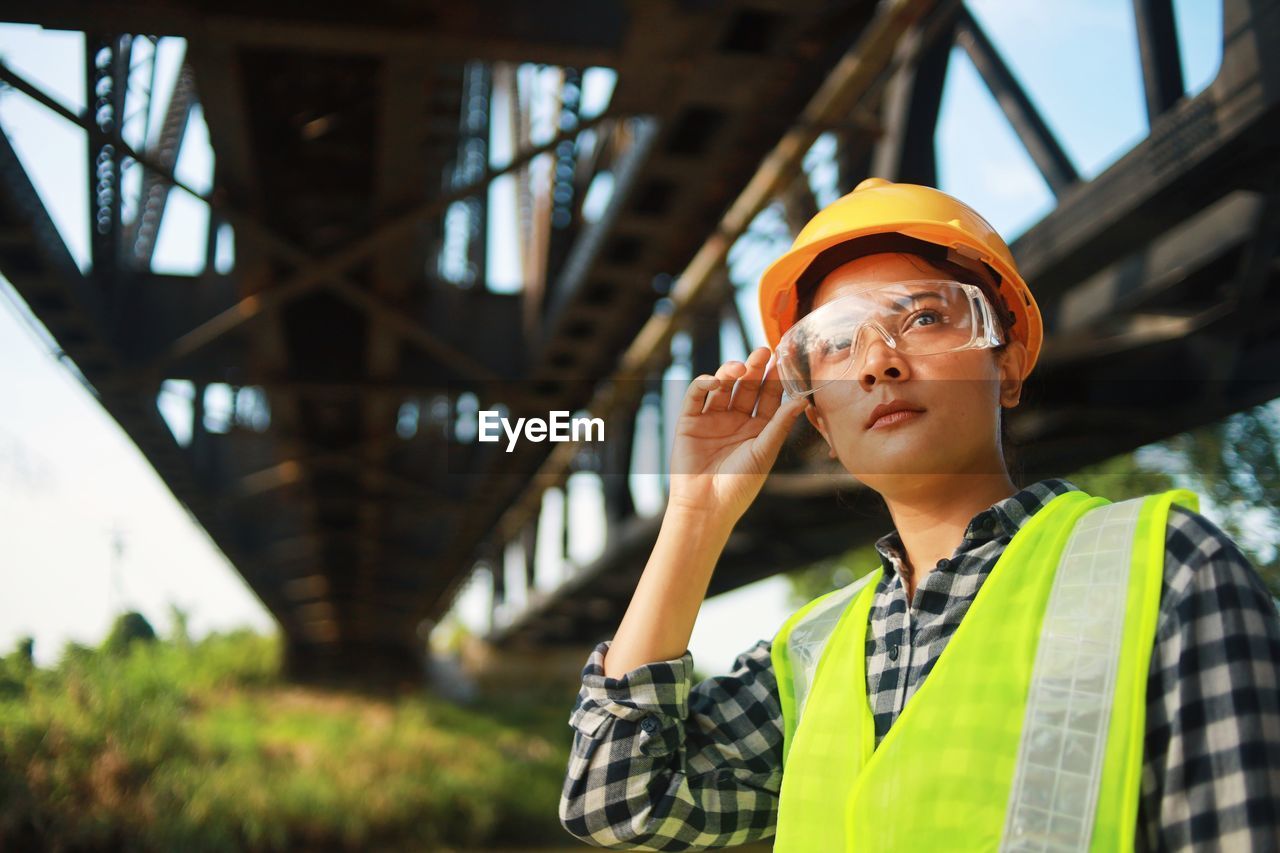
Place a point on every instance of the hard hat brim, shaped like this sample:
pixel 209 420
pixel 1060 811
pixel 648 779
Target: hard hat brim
pixel 779 300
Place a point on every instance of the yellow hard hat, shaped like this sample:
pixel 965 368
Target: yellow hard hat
pixel 876 207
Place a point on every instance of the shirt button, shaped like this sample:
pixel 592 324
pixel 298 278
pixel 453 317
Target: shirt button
pixel 942 564
pixel 893 651
pixel 649 725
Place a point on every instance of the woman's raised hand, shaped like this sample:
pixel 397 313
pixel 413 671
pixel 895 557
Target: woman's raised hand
pixel 730 430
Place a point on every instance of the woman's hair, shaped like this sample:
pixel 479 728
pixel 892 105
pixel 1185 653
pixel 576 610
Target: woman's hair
pixel 919 252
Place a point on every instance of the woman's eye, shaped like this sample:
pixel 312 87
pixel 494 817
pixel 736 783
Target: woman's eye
pixel 924 318
pixel 833 348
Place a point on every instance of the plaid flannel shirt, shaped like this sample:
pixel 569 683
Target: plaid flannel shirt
pixel 658 763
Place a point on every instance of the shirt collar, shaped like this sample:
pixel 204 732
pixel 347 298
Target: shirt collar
pixel 1000 520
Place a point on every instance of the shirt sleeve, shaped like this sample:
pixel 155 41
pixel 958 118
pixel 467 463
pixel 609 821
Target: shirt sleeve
pixel 658 764
pixel 1211 778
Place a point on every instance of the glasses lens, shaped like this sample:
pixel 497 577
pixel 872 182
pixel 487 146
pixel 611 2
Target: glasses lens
pixel 917 317
pixel 937 317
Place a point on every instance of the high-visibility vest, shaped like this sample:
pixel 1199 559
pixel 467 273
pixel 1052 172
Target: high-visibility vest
pixel 1027 733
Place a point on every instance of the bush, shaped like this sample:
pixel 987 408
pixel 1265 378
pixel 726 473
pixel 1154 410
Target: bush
pixel 201 746
pixel 129 628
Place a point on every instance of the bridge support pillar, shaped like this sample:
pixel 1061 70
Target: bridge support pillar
pixel 481 670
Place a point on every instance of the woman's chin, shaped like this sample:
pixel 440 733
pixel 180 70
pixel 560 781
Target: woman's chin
pixel 916 462
pixel 903 473
pixel 898 456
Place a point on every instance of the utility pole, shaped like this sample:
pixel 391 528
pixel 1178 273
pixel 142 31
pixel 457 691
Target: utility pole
pixel 117 570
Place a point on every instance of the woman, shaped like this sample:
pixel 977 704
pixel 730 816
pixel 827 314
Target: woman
pixel 1136 708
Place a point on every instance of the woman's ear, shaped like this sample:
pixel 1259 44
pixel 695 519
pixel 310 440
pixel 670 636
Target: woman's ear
pixel 1011 363
pixel 819 423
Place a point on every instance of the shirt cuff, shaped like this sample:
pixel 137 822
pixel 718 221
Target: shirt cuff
pixel 659 689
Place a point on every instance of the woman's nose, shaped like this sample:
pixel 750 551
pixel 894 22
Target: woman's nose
pixel 879 361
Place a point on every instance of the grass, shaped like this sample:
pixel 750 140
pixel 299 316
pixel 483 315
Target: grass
pixel 202 746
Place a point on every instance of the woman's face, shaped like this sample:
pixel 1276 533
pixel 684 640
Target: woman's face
pixel 956 395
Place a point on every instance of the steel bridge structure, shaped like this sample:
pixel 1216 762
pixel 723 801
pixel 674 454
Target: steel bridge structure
pixel 358 153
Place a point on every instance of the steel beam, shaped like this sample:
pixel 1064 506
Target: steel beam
pixel 1158 48
pixel 912 101
pixel 856 72
pixel 35 259
pixel 1203 148
pixel 106 67
pixel 562 32
pixel 1040 142
pixel 1167 262
pixel 331 271
pixel 164 150
pixel 331 274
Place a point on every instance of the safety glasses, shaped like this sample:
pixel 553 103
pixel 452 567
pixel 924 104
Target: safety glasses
pixel 921 317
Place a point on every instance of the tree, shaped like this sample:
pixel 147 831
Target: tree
pixel 1235 466
pixel 129 628
pixel 16 668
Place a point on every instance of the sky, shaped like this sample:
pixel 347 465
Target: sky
pixel 87 529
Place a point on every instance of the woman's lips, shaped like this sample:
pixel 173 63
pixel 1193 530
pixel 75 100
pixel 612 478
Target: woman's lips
pixel 895 418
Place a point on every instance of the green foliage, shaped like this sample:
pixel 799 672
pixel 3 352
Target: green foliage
pixel 450 636
pixel 1122 477
pixel 129 628
pixel 16 669
pixel 178 745
pixel 1236 466
pixel 812 581
pixel 179 633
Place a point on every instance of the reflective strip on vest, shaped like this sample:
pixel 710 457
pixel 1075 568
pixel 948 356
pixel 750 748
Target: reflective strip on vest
pixel 808 638
pixel 1064 733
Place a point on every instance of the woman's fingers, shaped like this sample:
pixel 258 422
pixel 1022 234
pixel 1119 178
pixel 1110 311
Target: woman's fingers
pixel 769 442
pixel 736 385
pixel 770 394
pixel 748 389
pixel 706 389
pixel 696 396
pixel 718 399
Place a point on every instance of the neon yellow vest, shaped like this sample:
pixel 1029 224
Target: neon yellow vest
pixel 1027 733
